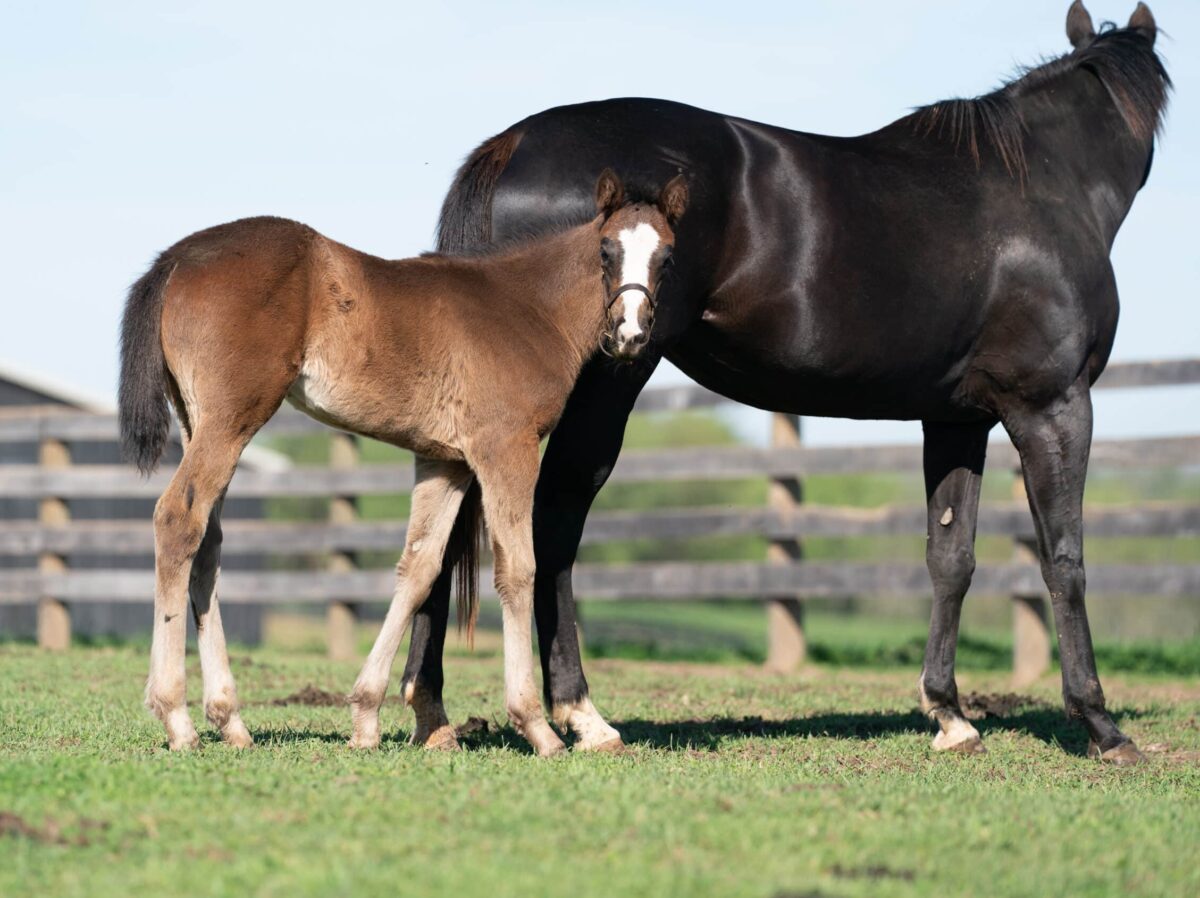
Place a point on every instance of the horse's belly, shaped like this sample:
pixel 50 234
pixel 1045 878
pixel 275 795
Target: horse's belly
pixel 321 394
pixel 856 384
pixel 338 397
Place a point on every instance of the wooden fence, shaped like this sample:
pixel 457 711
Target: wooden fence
pixel 782 582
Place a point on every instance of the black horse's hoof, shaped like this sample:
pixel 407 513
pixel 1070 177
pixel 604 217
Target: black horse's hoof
pixel 1126 754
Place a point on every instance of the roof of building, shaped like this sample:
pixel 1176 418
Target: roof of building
pixel 59 393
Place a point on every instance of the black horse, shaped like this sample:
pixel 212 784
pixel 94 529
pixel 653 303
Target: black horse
pixel 952 267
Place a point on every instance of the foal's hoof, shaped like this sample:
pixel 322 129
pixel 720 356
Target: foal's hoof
pixel 545 741
pixel 441 739
pixel 1124 755
pixel 186 742
pixel 364 741
pixel 609 747
pixel 551 750
pixel 238 736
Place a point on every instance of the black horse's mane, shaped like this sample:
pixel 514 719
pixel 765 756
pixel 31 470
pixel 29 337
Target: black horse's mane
pixel 1123 59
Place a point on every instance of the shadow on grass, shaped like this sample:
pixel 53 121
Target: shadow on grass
pixel 1048 725
pixel 502 738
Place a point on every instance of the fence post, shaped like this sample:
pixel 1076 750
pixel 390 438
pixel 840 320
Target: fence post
pixel 786 645
pixel 53 616
pixel 1031 629
pixel 342 615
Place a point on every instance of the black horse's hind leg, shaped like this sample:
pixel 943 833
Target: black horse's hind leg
pixel 954 456
pixel 1054 442
pixel 579 457
pixel 423 677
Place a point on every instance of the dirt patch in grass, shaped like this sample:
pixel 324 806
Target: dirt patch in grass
pixel 312 697
pixel 1164 752
pixel 874 871
pixel 50 833
pixel 472 726
pixel 981 705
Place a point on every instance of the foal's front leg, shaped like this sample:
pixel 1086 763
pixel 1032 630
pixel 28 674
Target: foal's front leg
pixel 439 490
pixel 508 483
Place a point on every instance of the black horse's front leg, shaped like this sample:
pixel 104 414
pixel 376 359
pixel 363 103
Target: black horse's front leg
pixel 1054 443
pixel 579 457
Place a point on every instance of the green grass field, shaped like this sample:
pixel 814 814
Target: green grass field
pixel 736 782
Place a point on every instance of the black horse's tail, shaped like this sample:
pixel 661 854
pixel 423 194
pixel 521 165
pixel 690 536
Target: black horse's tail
pixel 465 225
pixel 464 547
pixel 142 397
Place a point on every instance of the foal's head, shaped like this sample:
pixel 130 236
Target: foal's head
pixel 636 243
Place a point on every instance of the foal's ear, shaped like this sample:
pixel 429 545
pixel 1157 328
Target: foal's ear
pixel 610 193
pixel 673 200
pixel 1080 30
pixel 1143 20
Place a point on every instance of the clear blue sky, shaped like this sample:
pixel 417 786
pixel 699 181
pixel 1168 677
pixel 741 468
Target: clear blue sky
pixel 127 126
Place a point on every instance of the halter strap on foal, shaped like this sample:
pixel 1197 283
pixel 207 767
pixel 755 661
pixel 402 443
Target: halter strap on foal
pixel 625 288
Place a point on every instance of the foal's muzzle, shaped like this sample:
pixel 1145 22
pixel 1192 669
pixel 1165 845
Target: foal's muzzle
pixel 628 348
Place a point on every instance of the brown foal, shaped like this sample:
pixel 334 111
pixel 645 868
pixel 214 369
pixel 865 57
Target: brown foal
pixel 468 362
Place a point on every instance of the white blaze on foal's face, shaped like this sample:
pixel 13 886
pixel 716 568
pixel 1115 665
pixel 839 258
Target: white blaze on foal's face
pixel 638 245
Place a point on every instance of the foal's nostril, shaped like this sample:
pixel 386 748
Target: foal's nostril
pixel 638 339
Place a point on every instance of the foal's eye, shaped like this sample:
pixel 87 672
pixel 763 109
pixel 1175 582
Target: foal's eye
pixel 604 255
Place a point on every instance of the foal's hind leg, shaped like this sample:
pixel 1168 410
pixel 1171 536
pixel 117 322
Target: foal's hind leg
pixel 954 455
pixel 220 692
pixel 181 520
pixel 438 492
pixel 1054 442
pixel 508 481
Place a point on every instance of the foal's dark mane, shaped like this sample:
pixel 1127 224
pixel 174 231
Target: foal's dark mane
pixel 1123 59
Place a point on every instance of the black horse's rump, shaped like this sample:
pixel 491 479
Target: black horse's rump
pixel 951 267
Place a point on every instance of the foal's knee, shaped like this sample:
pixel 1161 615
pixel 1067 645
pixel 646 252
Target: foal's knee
pixel 165 692
pixel 514 582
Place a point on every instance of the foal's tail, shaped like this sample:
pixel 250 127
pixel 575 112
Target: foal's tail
pixel 464 548
pixel 142 398
pixel 466 220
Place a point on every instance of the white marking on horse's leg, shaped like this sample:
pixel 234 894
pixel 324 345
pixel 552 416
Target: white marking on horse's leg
pixel 508 484
pixel 520 691
pixel 436 497
pixel 220 691
pixel 180 522
pixel 591 731
pixel 638 245
pixel 955 734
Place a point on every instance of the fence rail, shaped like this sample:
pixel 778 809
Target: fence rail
pixel 783 581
